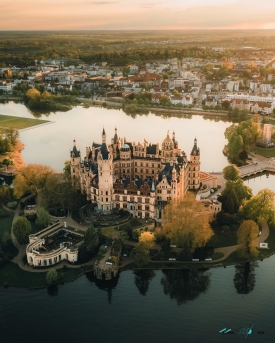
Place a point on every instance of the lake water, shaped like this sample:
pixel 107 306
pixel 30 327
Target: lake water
pixel 167 306
pixel 161 306
pixel 50 144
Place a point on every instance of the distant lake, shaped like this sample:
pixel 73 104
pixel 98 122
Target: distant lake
pixel 51 143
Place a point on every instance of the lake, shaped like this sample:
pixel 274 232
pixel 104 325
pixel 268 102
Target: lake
pixel 149 306
pixel 161 306
pixel 51 143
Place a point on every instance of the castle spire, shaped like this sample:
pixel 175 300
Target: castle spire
pixel 103 136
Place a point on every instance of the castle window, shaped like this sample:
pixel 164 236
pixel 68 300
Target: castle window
pixel 168 191
pixel 136 170
pixel 139 199
pixel 153 165
pixel 124 205
pixel 194 174
pixel 147 201
pixel 159 190
pixel 146 208
pixel 124 198
pixel 139 207
pixel 132 199
pixel 117 197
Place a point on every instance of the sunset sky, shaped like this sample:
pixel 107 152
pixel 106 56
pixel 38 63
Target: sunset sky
pixel 136 14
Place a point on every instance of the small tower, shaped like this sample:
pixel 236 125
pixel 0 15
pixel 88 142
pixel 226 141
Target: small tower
pixel 75 164
pixel 167 149
pixel 105 176
pixel 194 167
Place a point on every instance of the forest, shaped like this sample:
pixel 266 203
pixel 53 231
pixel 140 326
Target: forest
pixel 121 47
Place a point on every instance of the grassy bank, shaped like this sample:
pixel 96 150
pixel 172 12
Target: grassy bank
pixel 264 152
pixel 18 122
pixel 12 275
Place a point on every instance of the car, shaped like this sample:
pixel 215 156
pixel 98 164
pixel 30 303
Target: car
pixel 260 232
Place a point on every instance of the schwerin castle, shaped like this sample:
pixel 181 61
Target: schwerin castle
pixel 140 178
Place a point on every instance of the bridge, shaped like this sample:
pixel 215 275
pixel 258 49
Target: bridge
pixel 257 168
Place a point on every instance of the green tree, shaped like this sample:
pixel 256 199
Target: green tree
pixel 242 191
pixel 246 236
pixel 22 230
pixel 231 172
pixel 141 254
pixel 232 203
pixel 91 239
pixel 260 206
pixel 43 218
pixel 52 277
pixel 235 146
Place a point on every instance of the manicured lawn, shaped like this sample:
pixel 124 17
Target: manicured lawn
pixel 265 152
pixel 220 240
pixel 133 223
pixel 18 122
pixel 12 275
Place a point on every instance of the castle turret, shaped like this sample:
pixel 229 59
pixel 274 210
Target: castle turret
pixel 105 176
pixel 75 164
pixel 194 167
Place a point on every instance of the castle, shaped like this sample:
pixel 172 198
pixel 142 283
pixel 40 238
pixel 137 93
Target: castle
pixel 140 178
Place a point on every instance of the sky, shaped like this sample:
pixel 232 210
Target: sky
pixel 136 14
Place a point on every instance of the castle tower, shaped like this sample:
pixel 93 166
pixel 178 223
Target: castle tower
pixel 194 167
pixel 105 176
pixel 167 149
pixel 75 164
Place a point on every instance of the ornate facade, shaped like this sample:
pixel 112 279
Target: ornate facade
pixel 138 177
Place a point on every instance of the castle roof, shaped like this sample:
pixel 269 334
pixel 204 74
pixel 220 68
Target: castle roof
pixel 151 149
pixel 195 151
pixel 104 151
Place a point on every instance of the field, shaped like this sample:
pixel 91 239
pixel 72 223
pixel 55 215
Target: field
pixel 18 122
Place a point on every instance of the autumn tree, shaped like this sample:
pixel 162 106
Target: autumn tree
pixel 31 178
pixel 22 230
pixel 186 222
pixel 260 206
pixel 246 235
pixel 33 94
pixel 147 237
pixel 231 172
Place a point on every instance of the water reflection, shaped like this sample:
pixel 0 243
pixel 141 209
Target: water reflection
pixel 184 285
pixel 142 280
pixel 103 285
pixel 52 290
pixel 244 279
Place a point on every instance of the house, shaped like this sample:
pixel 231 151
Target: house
pixel 211 101
pixel 240 104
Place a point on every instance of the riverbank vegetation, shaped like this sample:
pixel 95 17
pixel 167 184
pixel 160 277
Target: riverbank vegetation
pixel 240 138
pixel 45 101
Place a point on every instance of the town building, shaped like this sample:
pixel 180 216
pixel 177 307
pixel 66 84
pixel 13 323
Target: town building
pixel 138 177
